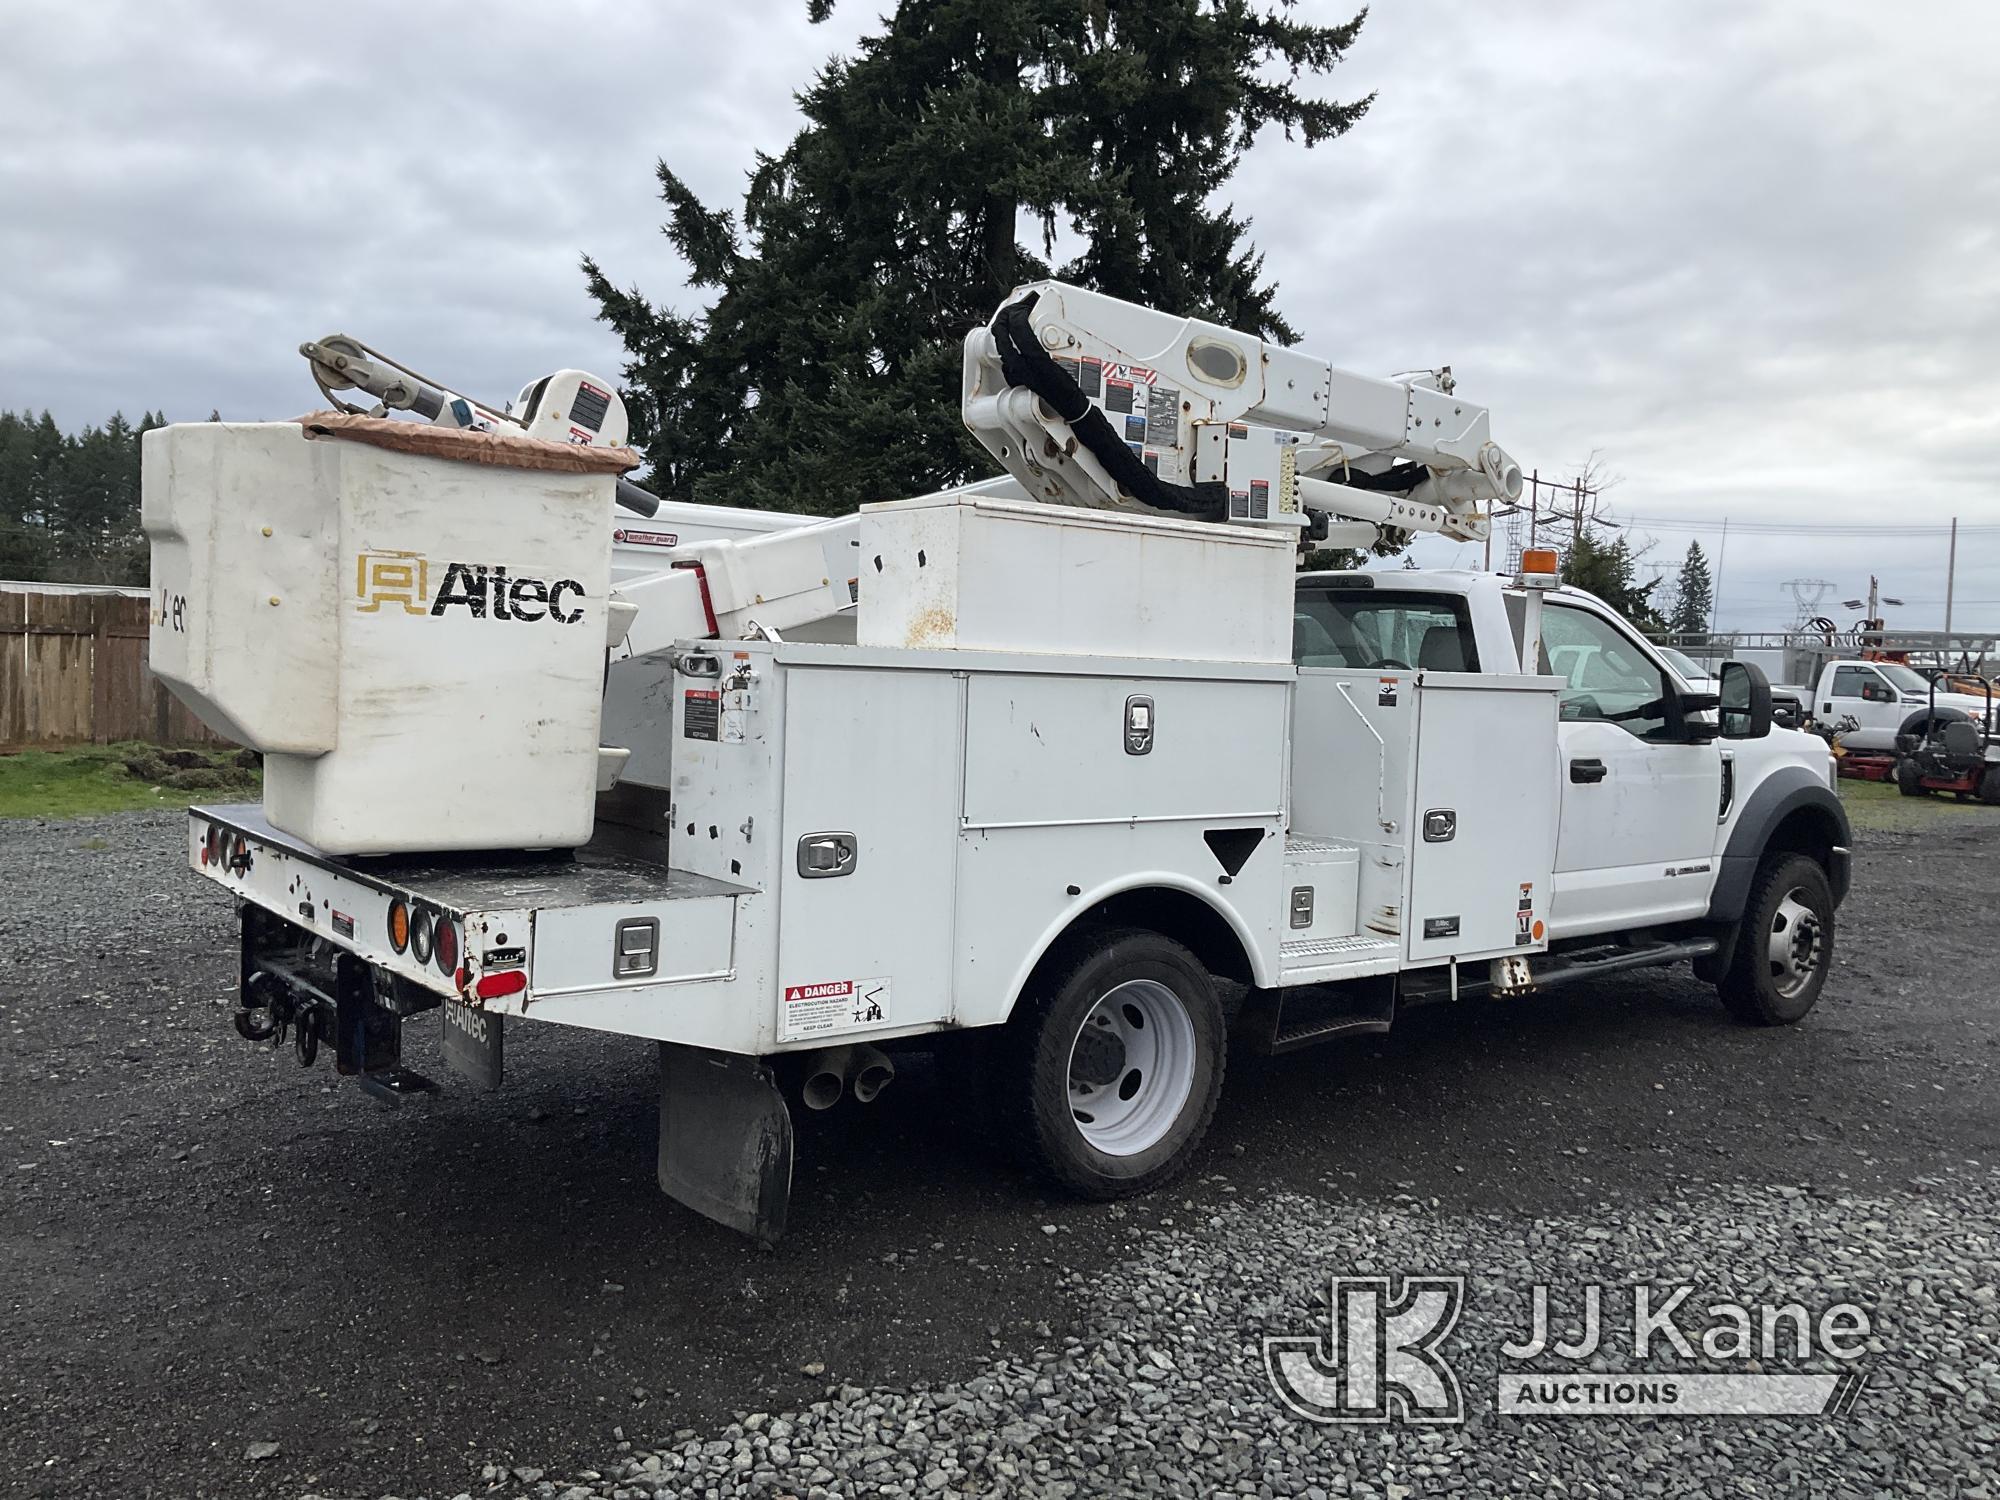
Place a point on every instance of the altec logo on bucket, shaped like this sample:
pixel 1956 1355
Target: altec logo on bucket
pixel 385 579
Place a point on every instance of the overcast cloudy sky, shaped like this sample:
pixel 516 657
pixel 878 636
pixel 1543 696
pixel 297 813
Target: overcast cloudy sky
pixel 1746 251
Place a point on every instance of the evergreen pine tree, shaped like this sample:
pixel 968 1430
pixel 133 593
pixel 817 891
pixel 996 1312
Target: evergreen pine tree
pixel 24 545
pixel 1694 595
pixel 69 505
pixel 824 372
pixel 1610 570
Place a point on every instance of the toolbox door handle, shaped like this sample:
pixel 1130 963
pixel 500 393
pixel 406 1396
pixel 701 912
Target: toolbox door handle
pixel 822 856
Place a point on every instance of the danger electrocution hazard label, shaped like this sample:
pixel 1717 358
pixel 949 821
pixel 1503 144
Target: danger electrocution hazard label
pixel 833 1005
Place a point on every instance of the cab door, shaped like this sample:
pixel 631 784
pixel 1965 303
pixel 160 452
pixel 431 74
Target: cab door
pixel 1864 694
pixel 1635 839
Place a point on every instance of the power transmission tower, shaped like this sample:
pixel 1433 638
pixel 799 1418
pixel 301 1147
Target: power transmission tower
pixel 1808 594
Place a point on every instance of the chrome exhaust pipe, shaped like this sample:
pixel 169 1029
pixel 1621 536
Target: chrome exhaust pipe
pixel 826 1077
pixel 869 1071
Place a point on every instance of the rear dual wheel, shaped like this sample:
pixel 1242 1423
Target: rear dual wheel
pixel 1109 1073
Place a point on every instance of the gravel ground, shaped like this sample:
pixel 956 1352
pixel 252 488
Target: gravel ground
pixel 226 1277
pixel 1163 1391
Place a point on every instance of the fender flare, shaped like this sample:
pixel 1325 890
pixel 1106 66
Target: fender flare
pixel 1787 790
pixel 1078 906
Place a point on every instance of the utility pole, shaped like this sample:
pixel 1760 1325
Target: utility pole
pixel 1950 575
pixel 1715 583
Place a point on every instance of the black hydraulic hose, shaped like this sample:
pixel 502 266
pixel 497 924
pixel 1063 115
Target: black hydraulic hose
pixel 640 502
pixel 1397 479
pixel 1024 362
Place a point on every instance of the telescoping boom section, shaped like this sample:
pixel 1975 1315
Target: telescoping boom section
pixel 1090 401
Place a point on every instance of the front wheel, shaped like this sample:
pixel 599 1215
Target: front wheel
pixel 1110 1072
pixel 1989 787
pixel 1910 777
pixel 1784 946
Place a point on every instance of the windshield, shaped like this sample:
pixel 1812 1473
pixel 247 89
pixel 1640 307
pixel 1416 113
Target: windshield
pixel 1684 664
pixel 1903 677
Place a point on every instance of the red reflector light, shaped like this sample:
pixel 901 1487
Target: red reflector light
pixel 506 982
pixel 446 939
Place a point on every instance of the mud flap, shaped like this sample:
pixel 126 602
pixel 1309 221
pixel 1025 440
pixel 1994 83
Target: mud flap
pixel 725 1139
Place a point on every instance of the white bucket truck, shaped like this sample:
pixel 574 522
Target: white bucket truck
pixel 1081 784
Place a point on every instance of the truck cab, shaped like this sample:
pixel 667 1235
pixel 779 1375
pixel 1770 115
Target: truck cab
pixel 1651 821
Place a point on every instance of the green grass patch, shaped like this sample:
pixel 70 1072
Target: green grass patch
pixel 1878 805
pixel 121 778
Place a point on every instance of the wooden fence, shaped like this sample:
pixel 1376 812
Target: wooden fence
pixel 73 671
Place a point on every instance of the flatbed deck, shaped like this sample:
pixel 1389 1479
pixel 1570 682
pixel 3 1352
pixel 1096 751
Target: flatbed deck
pixel 488 881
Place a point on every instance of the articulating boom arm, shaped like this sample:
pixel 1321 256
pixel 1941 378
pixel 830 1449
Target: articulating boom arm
pixel 1090 401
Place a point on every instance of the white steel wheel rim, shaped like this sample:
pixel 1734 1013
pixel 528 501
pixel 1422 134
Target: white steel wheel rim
pixel 1131 1068
pixel 1794 945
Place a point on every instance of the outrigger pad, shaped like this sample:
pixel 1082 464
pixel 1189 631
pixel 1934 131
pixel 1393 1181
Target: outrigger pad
pixel 725 1139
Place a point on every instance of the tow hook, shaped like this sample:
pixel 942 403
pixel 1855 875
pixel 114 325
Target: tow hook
pixel 266 1010
pixel 270 1010
pixel 250 1028
pixel 305 1040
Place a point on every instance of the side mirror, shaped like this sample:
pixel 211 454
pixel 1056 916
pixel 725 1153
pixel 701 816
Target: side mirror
pixel 1694 717
pixel 1746 702
pixel 1874 692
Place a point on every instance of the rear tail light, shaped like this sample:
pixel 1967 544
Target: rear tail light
pixel 399 925
pixel 447 945
pixel 506 982
pixel 420 935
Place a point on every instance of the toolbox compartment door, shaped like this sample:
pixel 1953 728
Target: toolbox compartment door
pixel 585 949
pixel 1483 827
pixel 871 764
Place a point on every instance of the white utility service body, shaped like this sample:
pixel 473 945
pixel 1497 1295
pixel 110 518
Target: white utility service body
pixel 976 803
pixel 1050 771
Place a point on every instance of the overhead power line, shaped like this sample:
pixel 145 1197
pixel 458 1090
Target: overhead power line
pixel 1803 528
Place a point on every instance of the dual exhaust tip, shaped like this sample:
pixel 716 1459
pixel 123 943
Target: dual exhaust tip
pixel 861 1069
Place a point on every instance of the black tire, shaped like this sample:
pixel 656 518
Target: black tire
pixel 1989 787
pixel 1759 990
pixel 1909 778
pixel 1034 1055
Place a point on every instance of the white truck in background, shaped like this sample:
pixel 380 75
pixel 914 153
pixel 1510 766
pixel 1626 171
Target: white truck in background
pixel 1887 700
pixel 1080 785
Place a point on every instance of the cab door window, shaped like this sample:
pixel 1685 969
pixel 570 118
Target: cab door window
pixel 1608 678
pixel 1856 682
